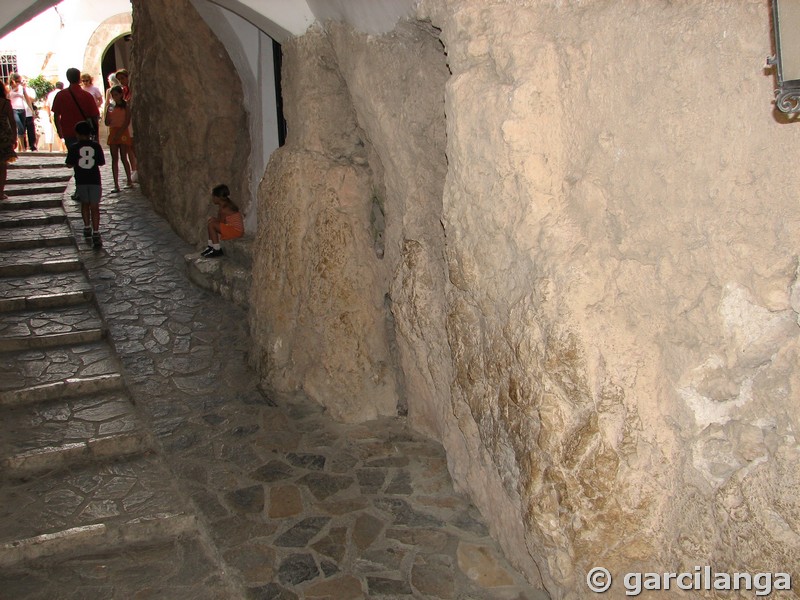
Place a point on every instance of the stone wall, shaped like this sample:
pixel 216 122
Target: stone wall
pixel 332 214
pixel 191 133
pixel 622 250
pixel 563 237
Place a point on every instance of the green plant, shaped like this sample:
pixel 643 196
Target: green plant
pixel 41 85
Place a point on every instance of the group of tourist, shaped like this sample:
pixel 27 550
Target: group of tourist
pixel 74 114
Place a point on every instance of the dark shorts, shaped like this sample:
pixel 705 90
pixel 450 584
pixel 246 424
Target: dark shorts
pixel 89 194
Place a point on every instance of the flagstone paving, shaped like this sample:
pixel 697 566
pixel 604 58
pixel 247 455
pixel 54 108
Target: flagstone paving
pixel 217 489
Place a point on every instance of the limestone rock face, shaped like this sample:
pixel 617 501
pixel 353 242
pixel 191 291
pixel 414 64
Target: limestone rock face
pixel 191 129
pixel 317 310
pixel 565 234
pixel 621 250
pixel 395 84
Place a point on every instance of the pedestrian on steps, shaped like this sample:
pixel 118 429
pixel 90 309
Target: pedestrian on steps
pixel 8 139
pixel 86 157
pixel 71 106
pixel 117 117
pixel 22 98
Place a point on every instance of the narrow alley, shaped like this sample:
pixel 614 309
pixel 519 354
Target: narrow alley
pixel 141 460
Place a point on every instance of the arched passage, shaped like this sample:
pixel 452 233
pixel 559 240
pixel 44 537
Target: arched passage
pixel 107 36
pixel 116 57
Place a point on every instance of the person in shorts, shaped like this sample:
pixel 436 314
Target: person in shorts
pixel 86 157
pixel 227 225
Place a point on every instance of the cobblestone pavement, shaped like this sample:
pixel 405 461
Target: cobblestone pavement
pixel 137 438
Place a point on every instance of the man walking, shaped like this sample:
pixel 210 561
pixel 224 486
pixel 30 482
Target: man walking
pixel 73 105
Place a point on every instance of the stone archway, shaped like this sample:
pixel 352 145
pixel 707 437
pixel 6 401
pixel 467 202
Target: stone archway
pixel 106 34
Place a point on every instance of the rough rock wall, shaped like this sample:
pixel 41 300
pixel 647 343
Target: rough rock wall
pixel 622 247
pixel 599 318
pixel 396 84
pixel 318 314
pixel 191 124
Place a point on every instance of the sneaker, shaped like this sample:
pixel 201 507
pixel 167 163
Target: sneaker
pixel 96 241
pixel 206 251
pixel 87 232
pixel 214 253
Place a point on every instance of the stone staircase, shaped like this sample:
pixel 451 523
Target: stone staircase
pixel 87 504
pixel 228 275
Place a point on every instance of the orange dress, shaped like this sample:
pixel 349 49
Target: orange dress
pixel 118 132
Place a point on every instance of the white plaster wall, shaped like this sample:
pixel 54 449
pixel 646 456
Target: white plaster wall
pixel 280 19
pixel 368 16
pixel 63 30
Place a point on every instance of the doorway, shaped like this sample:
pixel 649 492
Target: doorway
pixel 116 56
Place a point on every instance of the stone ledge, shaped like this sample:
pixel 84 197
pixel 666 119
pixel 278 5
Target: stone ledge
pixel 228 275
pixel 70 454
pixel 66 388
pixel 98 537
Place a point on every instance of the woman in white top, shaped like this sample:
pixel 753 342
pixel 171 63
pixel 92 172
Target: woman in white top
pixel 17 97
pixel 87 83
pixel 21 97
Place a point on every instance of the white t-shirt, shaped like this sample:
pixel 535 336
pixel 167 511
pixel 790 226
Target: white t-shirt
pixel 95 92
pixel 18 99
pixel 50 97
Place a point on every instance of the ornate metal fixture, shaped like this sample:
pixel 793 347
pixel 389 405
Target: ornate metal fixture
pixel 786 29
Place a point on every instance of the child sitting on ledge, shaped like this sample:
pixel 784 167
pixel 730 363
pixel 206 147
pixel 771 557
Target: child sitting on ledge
pixel 227 225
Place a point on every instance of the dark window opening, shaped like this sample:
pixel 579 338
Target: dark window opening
pixel 8 65
pixel 277 59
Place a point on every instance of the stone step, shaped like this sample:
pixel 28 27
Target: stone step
pixel 117 495
pixel 47 374
pixel 32 261
pixel 175 569
pixel 68 454
pixel 32 201
pixel 50 435
pixel 29 176
pixel 35 237
pixel 44 291
pixel 53 170
pixel 37 160
pixel 46 328
pixel 34 190
pixel 61 390
pixel 228 275
pixel 32 217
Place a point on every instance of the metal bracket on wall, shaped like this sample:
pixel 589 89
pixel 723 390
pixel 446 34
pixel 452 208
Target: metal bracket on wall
pixel 786 62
